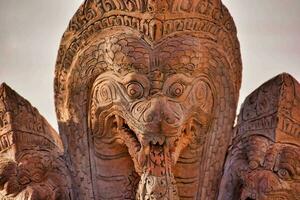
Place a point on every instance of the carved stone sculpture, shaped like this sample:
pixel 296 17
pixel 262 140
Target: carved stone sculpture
pixel 146 94
pixel 264 161
pixel 31 153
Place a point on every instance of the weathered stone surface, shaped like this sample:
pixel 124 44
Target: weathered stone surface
pixel 31 153
pixel 146 95
pixel 264 160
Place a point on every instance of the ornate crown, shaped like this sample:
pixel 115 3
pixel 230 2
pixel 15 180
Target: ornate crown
pixel 271 111
pixel 154 20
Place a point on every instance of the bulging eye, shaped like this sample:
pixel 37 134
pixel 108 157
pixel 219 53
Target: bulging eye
pixel 135 90
pixel 176 90
pixel 284 174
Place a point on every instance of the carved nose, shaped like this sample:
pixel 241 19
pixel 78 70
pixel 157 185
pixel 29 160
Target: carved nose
pixel 153 113
pixel 159 111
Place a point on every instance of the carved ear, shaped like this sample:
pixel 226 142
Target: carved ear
pixel 21 121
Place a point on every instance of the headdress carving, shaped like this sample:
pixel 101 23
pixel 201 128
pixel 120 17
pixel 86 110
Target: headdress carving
pixel 272 111
pixel 154 20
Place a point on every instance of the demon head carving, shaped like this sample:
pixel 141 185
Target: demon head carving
pixel 34 176
pixel 264 161
pixel 151 103
pixel 277 178
pixel 147 90
pixel 261 169
pixel 146 94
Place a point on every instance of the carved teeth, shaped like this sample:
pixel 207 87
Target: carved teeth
pixel 157 141
pixel 248 195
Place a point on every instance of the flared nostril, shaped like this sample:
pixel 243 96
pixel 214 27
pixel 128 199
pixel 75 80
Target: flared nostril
pixel 170 120
pixel 160 111
pixel 149 118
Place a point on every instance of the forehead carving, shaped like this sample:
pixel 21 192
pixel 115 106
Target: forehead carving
pixel 123 53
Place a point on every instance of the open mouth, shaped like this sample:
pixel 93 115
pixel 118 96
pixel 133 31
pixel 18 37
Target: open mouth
pixel 144 146
pixel 154 153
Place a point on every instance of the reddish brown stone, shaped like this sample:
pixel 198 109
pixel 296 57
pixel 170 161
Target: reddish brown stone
pixel 31 153
pixel 264 161
pixel 146 94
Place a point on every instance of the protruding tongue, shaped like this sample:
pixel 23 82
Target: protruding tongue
pixel 157 181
